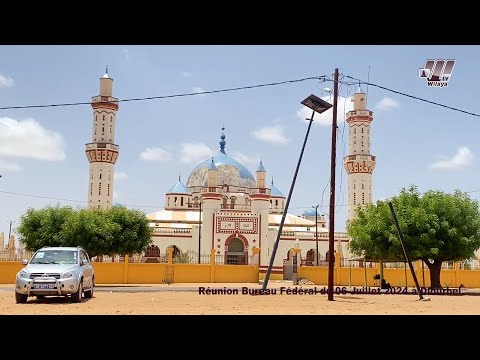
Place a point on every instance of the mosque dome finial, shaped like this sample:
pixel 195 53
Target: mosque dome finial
pixel 222 141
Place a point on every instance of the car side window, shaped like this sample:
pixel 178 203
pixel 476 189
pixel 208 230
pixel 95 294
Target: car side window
pixel 82 256
pixel 85 255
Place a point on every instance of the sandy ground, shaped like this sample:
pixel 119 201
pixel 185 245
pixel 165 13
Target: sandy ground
pixel 191 302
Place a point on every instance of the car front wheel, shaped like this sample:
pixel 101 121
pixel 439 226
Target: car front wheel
pixel 89 292
pixel 20 298
pixel 77 296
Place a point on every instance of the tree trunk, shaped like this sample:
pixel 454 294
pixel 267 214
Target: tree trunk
pixel 435 269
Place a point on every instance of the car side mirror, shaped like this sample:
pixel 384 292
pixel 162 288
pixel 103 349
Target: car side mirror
pixel 24 262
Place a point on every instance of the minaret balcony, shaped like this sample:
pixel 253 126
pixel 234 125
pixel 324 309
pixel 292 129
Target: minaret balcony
pixel 94 146
pixel 100 98
pixel 101 152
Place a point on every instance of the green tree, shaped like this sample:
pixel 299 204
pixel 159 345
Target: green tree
pixel 436 227
pixel 44 227
pixel 100 232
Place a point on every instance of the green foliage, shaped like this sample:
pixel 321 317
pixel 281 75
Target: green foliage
pixel 435 226
pixel 100 232
pixel 183 257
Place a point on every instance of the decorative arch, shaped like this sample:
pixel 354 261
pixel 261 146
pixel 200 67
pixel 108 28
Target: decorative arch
pixel 152 251
pixel 232 254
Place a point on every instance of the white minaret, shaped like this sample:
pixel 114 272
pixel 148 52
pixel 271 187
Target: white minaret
pixel 359 164
pixel 102 153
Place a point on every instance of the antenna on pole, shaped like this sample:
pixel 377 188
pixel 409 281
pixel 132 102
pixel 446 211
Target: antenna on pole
pixel 368 81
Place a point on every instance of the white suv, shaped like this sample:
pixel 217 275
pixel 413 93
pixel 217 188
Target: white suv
pixel 56 271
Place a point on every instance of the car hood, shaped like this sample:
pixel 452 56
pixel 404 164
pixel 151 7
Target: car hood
pixel 49 268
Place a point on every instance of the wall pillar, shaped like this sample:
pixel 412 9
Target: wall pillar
pixel 125 269
pixel 212 265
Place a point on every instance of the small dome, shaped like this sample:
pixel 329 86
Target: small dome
pixel 178 188
pixel 310 212
pixel 275 192
pixel 261 167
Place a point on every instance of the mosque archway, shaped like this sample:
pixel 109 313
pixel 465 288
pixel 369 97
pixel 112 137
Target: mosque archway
pixel 288 266
pixel 236 250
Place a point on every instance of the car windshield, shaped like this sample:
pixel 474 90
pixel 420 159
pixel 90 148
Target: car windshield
pixel 54 257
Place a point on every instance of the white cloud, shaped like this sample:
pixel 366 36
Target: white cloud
pixel 126 54
pixel 344 105
pixel 186 74
pixel 155 154
pixel 387 104
pixel 245 159
pixel 195 152
pixel 5 165
pixel 197 89
pixel 120 175
pixel 116 197
pixel 29 139
pixel 6 81
pixel 462 159
pixel 272 134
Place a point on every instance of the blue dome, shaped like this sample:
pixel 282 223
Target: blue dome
pixel 230 172
pixel 310 212
pixel 178 188
pixel 275 192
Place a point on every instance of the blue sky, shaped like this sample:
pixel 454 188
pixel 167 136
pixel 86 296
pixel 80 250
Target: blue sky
pixel 42 149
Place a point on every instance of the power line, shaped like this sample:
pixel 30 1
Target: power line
pixel 322 77
pixel 133 205
pixel 71 200
pixel 413 97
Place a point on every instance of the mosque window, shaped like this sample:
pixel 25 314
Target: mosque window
pixel 363 187
pixel 354 130
pixel 111 117
pixel 103 129
pixel 181 201
pixel 108 190
pixel 99 188
pixel 175 201
pixel 362 130
pixel 100 176
pixel 232 201
pixel 91 189
pixel 276 204
pixel 103 118
pixel 363 198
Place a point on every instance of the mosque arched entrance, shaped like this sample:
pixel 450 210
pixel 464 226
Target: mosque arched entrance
pixel 288 266
pixel 152 254
pixel 236 250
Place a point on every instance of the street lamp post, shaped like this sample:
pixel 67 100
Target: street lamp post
pixel 316 233
pixel 317 105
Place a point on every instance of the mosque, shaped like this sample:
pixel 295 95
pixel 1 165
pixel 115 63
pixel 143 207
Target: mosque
pixel 224 206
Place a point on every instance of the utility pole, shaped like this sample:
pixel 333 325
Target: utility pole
pixel 331 227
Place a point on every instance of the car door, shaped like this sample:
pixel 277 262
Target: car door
pixel 86 268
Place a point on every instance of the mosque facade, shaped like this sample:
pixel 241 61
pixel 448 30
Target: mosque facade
pixel 223 206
